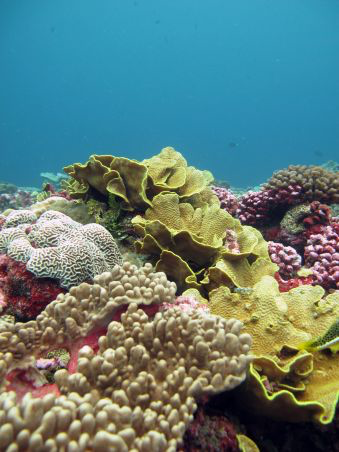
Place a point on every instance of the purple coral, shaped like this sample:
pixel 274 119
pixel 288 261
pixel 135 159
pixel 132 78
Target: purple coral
pixel 255 207
pixel 231 242
pixel 228 200
pixel 187 304
pixel 322 256
pixel 286 258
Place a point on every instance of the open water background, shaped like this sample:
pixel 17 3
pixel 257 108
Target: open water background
pixel 240 87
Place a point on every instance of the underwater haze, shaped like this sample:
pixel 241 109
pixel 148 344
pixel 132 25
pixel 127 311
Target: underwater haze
pixel 241 87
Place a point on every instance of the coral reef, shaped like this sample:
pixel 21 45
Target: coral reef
pixel 120 362
pixel 19 199
pixel 210 433
pixel 137 388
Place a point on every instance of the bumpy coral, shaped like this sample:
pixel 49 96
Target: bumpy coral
pixel 286 258
pixel 138 392
pixel 255 208
pixel 317 183
pixel 87 306
pixel 288 187
pixel 57 247
pixel 228 200
pixel 322 255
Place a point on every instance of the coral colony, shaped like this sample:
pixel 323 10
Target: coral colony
pixel 138 295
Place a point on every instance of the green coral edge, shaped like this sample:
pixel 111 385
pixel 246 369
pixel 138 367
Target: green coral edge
pixel 316 408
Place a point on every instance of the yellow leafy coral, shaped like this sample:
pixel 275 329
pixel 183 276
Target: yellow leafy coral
pixel 136 183
pixel 285 382
pixel 106 174
pixel 169 172
pixel 193 240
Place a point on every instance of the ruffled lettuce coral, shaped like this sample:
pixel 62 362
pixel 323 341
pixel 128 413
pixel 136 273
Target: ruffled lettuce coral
pixel 106 174
pixel 135 183
pixel 192 247
pixel 284 382
pixel 169 172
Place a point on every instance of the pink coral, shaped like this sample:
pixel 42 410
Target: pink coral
pixel 286 258
pixel 322 255
pixel 228 200
pixel 255 208
pixel 231 241
pixel 187 304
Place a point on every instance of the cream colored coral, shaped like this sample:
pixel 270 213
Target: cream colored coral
pixel 138 393
pixel 84 307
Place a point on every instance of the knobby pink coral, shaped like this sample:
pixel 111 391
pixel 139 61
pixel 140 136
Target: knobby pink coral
pixel 322 255
pixel 286 258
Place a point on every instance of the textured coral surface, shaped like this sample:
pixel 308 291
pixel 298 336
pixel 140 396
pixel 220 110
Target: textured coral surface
pixel 135 390
pixel 121 360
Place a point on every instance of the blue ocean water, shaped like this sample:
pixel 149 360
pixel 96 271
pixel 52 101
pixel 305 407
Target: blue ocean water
pixel 240 87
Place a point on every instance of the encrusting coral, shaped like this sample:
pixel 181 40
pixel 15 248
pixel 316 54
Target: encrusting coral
pixel 21 293
pixel 55 246
pixel 137 388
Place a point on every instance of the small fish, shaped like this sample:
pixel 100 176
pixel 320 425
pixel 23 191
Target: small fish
pixel 329 340
pixel 233 145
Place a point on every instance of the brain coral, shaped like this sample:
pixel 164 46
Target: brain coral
pixel 139 390
pixel 57 247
